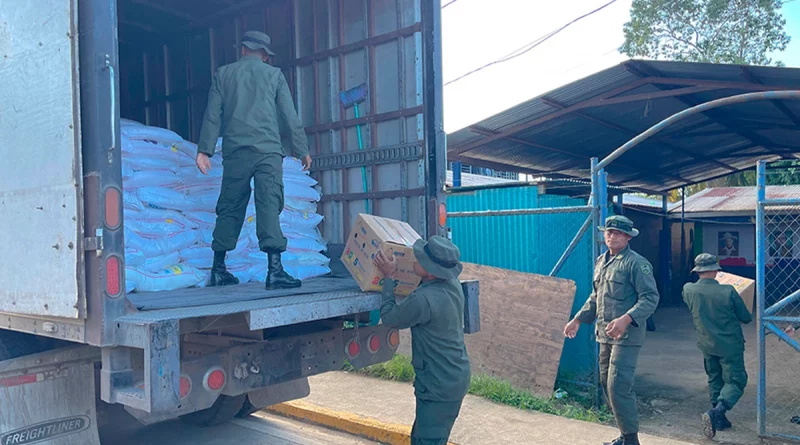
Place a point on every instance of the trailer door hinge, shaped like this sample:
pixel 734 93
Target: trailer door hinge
pixel 94 243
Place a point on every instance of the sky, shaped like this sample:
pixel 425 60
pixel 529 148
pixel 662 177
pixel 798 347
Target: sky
pixel 476 32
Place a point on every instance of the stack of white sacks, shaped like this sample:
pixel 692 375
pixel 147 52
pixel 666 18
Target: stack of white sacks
pixel 169 216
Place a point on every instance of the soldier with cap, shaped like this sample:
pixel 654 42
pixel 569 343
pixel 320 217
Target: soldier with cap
pixel 718 313
pixel 435 314
pixel 624 295
pixel 249 104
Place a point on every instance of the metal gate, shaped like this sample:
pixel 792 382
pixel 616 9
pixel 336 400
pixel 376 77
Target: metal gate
pixel 778 309
pixel 542 234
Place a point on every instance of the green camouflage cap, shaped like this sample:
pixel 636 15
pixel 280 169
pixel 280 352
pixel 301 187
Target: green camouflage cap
pixel 439 257
pixel 705 262
pixel 621 224
pixel 256 40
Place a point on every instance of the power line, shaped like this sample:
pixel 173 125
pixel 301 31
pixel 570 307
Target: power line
pixel 448 3
pixel 529 46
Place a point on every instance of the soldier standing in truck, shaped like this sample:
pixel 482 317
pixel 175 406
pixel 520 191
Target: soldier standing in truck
pixel 248 104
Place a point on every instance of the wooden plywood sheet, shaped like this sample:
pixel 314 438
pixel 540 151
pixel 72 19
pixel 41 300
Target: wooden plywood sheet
pixel 522 323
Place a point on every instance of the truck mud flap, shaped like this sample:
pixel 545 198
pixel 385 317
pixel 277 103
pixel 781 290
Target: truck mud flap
pixel 49 398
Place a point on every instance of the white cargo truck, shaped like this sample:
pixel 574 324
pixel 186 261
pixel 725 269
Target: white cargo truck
pixel 71 340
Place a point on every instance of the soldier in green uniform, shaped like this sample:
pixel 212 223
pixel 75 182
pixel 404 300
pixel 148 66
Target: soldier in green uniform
pixel 248 104
pixel 624 295
pixel 718 313
pixel 435 314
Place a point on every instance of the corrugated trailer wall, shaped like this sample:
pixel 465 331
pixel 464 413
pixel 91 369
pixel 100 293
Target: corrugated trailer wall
pixel 323 47
pixel 529 243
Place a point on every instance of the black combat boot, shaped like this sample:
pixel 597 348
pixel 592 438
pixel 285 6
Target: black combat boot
pixel 219 272
pixel 277 278
pixel 725 424
pixel 627 439
pixel 712 420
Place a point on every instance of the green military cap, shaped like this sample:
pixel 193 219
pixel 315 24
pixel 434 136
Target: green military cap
pixel 705 262
pixel 256 40
pixel 439 257
pixel 620 223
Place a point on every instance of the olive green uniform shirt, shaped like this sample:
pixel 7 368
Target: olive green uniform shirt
pixel 718 312
pixel 250 105
pixel 435 314
pixel 623 284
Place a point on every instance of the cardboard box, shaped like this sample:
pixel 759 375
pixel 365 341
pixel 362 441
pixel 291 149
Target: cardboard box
pixel 744 286
pixel 395 238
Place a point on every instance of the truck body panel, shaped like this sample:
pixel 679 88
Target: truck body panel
pixel 154 63
pixel 40 180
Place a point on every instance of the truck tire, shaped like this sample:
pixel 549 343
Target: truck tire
pixel 247 409
pixel 223 410
pixel 16 344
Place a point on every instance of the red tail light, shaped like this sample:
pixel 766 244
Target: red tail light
pixel 442 215
pixel 393 339
pixel 113 276
pixel 353 348
pixel 185 386
pixel 373 344
pixel 215 379
pixel 112 208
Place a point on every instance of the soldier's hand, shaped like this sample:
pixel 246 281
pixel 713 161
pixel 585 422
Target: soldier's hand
pixel 306 163
pixel 571 329
pixel 203 163
pixel 385 263
pixel 616 329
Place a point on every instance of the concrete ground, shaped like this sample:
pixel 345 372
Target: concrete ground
pixel 481 422
pixel 261 429
pixel 672 386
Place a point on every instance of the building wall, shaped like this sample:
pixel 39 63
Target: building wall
pixel 745 243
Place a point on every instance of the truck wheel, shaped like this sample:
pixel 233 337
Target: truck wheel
pixel 16 344
pixel 223 410
pixel 247 409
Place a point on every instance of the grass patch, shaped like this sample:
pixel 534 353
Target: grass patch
pixel 491 388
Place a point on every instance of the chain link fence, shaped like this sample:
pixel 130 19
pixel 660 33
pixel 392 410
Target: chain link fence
pixel 529 232
pixel 778 258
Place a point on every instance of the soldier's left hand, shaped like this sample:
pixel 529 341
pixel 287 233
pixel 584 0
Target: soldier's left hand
pixel 385 263
pixel 306 162
pixel 616 329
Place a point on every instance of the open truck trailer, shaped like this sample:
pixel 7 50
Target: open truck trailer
pixel 70 70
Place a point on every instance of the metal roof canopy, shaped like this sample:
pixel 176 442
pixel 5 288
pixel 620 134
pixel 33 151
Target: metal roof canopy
pixel 557 134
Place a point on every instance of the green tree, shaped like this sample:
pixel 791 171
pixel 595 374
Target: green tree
pixel 715 31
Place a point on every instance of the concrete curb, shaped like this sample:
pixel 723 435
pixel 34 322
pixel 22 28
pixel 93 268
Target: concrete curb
pixel 366 427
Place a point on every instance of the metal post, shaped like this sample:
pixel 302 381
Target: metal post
pixel 621 204
pixel 665 250
pixel 595 201
pixel 595 198
pixel 683 232
pixel 602 177
pixel 761 411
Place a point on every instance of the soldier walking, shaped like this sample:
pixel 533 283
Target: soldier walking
pixel 624 295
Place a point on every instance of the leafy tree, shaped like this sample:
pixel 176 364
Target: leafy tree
pixel 715 31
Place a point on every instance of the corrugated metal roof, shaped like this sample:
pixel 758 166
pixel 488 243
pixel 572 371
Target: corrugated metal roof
pixel 545 135
pixel 733 199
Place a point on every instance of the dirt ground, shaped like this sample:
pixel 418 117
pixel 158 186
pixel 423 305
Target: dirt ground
pixel 672 388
